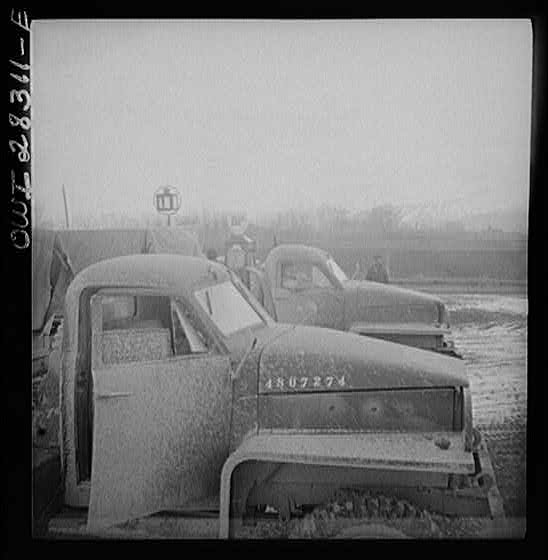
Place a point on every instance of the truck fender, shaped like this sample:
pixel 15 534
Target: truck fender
pixel 372 450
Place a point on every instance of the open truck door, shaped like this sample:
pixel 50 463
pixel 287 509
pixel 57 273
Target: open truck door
pixel 161 419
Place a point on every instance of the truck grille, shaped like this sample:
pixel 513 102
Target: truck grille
pixel 413 410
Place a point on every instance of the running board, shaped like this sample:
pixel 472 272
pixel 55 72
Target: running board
pixel 182 524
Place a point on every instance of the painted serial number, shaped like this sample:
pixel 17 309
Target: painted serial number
pixel 305 382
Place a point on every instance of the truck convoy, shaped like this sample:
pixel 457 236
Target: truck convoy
pixel 179 389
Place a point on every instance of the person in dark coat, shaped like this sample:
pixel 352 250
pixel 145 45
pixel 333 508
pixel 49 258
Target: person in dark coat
pixel 377 271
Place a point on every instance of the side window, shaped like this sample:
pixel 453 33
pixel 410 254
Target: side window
pixel 296 276
pixel 122 312
pixel 145 328
pixel 319 279
pixel 302 276
pixel 117 310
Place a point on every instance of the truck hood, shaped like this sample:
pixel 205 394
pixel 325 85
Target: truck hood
pixel 372 302
pixel 307 359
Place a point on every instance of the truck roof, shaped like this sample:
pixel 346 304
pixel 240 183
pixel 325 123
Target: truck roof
pixel 149 271
pixel 292 251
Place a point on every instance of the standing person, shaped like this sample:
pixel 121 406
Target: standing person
pixel 377 271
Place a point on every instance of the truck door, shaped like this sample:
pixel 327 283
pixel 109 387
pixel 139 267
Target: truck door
pixel 304 294
pixel 161 418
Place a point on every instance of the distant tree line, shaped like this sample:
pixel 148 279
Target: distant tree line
pixel 330 223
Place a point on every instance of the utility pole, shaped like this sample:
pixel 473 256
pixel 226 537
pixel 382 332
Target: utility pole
pixel 67 212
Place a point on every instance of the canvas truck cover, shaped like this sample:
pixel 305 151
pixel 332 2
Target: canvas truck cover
pixel 58 255
pixel 87 247
pixel 174 241
pixel 52 272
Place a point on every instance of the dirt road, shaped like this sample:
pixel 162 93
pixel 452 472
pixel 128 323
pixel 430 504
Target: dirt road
pixel 491 333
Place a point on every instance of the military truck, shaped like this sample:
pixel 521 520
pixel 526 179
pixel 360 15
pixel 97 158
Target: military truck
pixel 304 285
pixel 179 390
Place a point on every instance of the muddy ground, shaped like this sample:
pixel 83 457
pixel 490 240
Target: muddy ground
pixel 491 332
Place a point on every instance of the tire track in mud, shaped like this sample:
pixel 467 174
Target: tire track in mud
pixel 491 333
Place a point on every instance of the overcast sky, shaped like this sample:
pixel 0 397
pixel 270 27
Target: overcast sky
pixel 268 115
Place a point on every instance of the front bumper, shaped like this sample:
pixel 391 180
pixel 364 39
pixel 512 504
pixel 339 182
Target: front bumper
pixel 437 338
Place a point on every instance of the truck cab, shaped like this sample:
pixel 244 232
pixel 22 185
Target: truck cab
pixel 299 284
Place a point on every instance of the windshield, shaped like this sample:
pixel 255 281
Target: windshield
pixel 337 271
pixel 227 308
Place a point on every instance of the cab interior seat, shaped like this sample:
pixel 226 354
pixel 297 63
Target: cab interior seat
pixel 136 345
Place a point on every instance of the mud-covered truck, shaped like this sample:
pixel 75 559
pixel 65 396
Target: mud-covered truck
pixel 304 285
pixel 178 390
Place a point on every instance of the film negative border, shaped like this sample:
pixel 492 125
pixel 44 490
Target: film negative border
pixel 19 141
